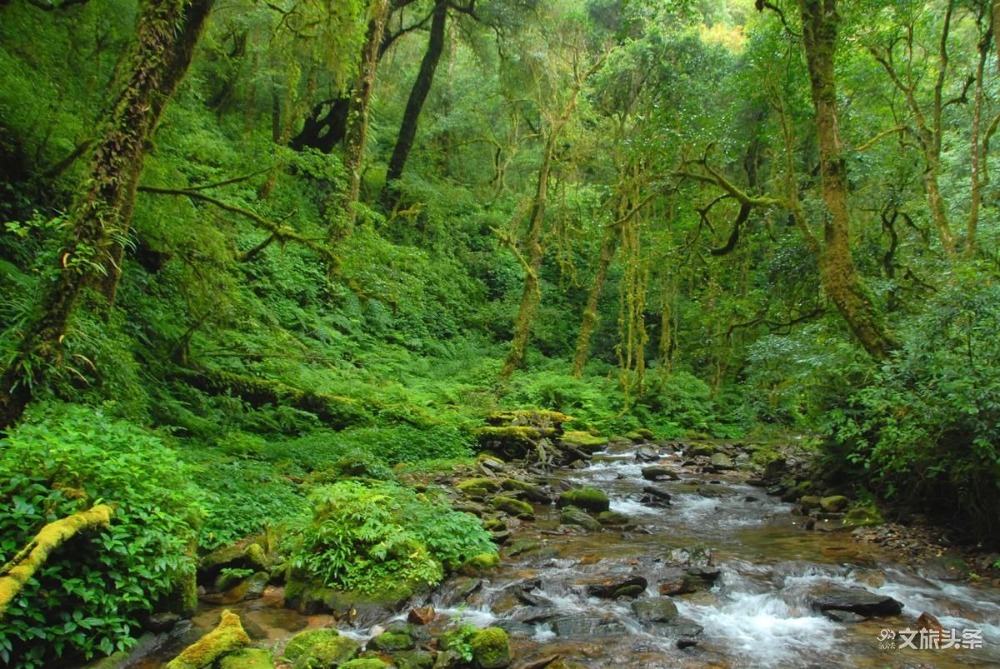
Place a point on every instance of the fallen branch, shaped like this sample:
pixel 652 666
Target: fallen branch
pixel 16 573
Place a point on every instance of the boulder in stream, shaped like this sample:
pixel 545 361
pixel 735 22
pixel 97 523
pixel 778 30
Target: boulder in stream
pixel 634 586
pixel 646 454
pixel 659 473
pixel 574 516
pixel 654 610
pixel 588 626
pixel 855 600
pixel 653 496
pixel 588 499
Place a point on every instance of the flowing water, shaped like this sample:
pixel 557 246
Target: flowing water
pixel 756 613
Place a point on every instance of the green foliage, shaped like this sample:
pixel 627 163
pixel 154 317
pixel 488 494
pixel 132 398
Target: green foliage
pixel 88 598
pixel 372 537
pixel 928 427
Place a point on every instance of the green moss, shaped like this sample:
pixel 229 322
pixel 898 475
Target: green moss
pixel 491 648
pixel 863 515
pixel 613 518
pixel 320 649
pixel 478 564
pixel 589 499
pixel 366 663
pixel 538 417
pixel 510 433
pixel 248 658
pixel 478 486
pixel 584 440
pixel 389 642
pixel 514 507
pixel 227 637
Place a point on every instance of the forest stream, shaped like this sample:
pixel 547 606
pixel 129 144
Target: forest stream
pixel 762 572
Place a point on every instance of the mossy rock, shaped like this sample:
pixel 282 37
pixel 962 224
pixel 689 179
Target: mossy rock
pixel 514 507
pixel 414 659
pixel 364 663
pixel 389 642
pixel 310 598
pixel 586 442
pixel 640 434
pixel 863 515
pixel 478 486
pixel 248 658
pixel 479 564
pixel 320 649
pixel 490 648
pixel 834 503
pixel 226 638
pixel 535 417
pixel 526 491
pixel 613 519
pixel 589 499
pixel 574 516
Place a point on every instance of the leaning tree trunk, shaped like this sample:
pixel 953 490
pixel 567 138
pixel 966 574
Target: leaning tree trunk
pixel 839 277
pixel 166 32
pixel 357 117
pixel 609 244
pixel 418 95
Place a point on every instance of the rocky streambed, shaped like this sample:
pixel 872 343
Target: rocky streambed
pixel 670 555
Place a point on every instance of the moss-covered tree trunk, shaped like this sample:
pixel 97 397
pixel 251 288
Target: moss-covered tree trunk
pixel 609 244
pixel 166 32
pixel 418 95
pixel 838 274
pixel 357 116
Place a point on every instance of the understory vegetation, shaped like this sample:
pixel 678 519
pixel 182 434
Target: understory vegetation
pixel 249 292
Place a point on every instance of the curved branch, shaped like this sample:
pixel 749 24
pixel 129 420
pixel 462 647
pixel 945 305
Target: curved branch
pixel 734 236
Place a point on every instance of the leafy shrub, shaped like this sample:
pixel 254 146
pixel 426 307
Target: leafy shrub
pixel 371 537
pixel 92 592
pixel 405 443
pixel 928 427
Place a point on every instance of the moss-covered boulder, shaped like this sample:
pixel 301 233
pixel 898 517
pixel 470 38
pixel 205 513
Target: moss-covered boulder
pixel 589 499
pixel 226 638
pixel 526 491
pixel 613 519
pixel 389 642
pixel 414 659
pixel 490 649
pixel 574 516
pixel 320 649
pixel 308 597
pixel 480 564
pixel 834 503
pixel 478 487
pixel 586 442
pixel 364 663
pixel 248 658
pixel 513 507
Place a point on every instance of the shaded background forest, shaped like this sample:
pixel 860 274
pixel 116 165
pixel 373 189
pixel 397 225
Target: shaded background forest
pixel 360 226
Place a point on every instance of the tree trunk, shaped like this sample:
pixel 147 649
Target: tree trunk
pixel 418 95
pixel 609 244
pixel 838 274
pixel 180 51
pixel 357 118
pixel 165 36
pixel 975 150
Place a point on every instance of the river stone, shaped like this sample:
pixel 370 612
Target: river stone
pixel 834 503
pixel 653 496
pixel 945 569
pixel 588 626
pixel 526 491
pixel 413 659
pixel 855 600
pixel 808 502
pixel 574 516
pixel 721 461
pixel 631 587
pixel 659 473
pixel 654 610
pixel 613 519
pixel 844 616
pixel 646 454
pixel 318 649
pixel 514 507
pixel 389 642
pixel 490 649
pixel 695 450
pixel 588 499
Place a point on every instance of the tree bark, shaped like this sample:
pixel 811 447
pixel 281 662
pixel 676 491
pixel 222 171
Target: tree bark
pixel 418 95
pixel 976 149
pixel 165 36
pixel 609 245
pixel 840 279
pixel 357 117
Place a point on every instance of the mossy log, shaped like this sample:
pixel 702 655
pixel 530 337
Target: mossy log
pixel 227 637
pixel 334 410
pixel 30 559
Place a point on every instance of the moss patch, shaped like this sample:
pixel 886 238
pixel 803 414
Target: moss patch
pixel 227 637
pixel 514 507
pixel 320 649
pixel 490 648
pixel 589 499
pixel 248 658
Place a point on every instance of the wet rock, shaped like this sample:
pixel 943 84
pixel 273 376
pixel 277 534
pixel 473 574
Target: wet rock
pixel 162 622
pixel 588 626
pixel 256 584
pixel 646 454
pixel 589 499
pixel 775 469
pixel 521 547
pixel 514 507
pixel 584 441
pixel 846 617
pixel 721 461
pixel 834 503
pixel 526 491
pixel 422 615
pixel 388 642
pixel 855 600
pixel 703 450
pixel 413 659
pixel 684 631
pixel 945 568
pixel 478 487
pixel 633 586
pixel 456 590
pixel 574 516
pixel 613 519
pixel 653 496
pixel 654 610
pixel 659 473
